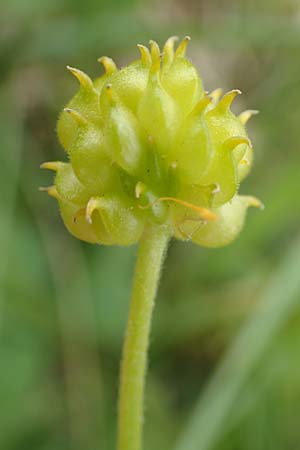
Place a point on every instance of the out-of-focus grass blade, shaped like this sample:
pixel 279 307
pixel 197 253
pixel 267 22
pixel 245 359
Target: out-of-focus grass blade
pixel 10 143
pixel 281 295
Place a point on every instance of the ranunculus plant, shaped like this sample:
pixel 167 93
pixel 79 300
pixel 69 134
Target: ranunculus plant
pixel 151 156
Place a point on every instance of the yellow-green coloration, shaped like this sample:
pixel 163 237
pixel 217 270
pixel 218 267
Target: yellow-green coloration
pixel 151 156
pixel 147 145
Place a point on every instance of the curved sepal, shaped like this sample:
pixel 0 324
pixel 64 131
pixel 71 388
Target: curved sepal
pixel 91 160
pixel 69 187
pixel 231 144
pixel 192 149
pixel 227 226
pixel 158 113
pixel 129 83
pixel 76 223
pixel 181 79
pixel 85 103
pixel 123 134
pixel 123 222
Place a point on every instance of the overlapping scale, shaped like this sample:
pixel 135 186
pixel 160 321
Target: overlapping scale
pixel 146 144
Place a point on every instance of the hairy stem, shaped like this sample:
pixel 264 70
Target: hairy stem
pixel 151 254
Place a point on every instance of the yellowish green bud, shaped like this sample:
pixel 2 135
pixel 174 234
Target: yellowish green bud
pixel 147 145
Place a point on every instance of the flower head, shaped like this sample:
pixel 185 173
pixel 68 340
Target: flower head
pixel 146 144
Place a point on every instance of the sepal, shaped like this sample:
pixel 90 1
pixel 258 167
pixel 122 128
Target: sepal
pixel 228 225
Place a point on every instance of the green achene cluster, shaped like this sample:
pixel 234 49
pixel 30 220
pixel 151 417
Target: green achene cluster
pixel 147 145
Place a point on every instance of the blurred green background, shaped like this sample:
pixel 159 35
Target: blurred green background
pixel 224 361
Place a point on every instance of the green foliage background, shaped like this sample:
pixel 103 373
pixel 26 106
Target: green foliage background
pixel 224 364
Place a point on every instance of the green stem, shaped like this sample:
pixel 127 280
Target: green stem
pixel 151 254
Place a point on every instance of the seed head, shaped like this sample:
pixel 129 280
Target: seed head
pixel 146 144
